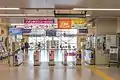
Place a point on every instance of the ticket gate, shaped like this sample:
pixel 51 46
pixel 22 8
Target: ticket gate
pixel 36 58
pixel 51 57
pixel 65 58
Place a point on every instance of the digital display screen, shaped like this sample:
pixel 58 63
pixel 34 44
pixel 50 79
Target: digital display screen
pixel 26 30
pixel 83 30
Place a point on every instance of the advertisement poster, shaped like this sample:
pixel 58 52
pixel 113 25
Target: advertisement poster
pixel 64 24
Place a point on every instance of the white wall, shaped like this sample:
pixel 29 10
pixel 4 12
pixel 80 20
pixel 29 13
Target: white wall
pixel 5 29
pixel 118 25
pixel 106 25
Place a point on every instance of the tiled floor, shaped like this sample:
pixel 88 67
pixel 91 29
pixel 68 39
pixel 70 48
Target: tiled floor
pixel 49 73
pixel 58 72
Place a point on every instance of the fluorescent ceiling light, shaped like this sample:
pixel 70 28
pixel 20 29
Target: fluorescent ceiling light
pixel 95 9
pixel 9 8
pixel 19 24
pixel 87 15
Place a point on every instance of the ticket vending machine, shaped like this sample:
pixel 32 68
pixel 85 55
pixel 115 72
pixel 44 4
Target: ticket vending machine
pixel 51 57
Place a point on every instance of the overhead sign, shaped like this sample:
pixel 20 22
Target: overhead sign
pixel 15 31
pixel 26 31
pixel 41 26
pixel 39 21
pixel 83 30
pixel 33 31
pixel 70 15
pixel 64 24
pixel 51 32
pixel 79 21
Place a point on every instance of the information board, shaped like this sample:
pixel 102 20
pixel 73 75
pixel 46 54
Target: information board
pixel 15 31
pixel 51 32
pixel 83 30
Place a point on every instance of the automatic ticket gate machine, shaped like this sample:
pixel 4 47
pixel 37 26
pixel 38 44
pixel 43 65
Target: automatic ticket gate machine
pixel 65 58
pixel 51 57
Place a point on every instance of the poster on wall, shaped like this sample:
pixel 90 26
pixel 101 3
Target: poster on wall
pixel 64 24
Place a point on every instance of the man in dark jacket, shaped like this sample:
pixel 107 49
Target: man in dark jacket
pixel 26 46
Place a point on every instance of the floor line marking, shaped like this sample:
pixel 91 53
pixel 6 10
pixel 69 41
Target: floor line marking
pixel 100 73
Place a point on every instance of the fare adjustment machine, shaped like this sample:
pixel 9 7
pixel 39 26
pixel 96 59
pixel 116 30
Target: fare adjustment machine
pixel 114 56
pixel 51 57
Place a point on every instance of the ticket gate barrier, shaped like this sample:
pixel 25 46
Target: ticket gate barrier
pixel 36 58
pixel 65 58
pixel 78 59
pixel 51 57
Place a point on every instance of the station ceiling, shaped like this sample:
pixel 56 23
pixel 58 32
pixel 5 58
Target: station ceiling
pixel 30 6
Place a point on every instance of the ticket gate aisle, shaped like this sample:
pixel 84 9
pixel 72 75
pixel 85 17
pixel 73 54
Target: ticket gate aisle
pixel 51 57
pixel 54 57
pixel 64 55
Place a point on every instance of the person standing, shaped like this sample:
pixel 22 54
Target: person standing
pixel 39 46
pixel 26 46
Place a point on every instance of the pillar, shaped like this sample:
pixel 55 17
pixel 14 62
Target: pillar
pixel 104 26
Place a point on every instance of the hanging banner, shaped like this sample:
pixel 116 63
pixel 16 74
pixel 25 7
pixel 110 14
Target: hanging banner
pixel 64 24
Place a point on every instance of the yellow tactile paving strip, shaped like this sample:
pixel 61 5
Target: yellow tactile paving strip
pixel 100 73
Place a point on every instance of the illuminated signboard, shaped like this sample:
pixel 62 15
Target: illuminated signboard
pixel 64 24
pixel 15 31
